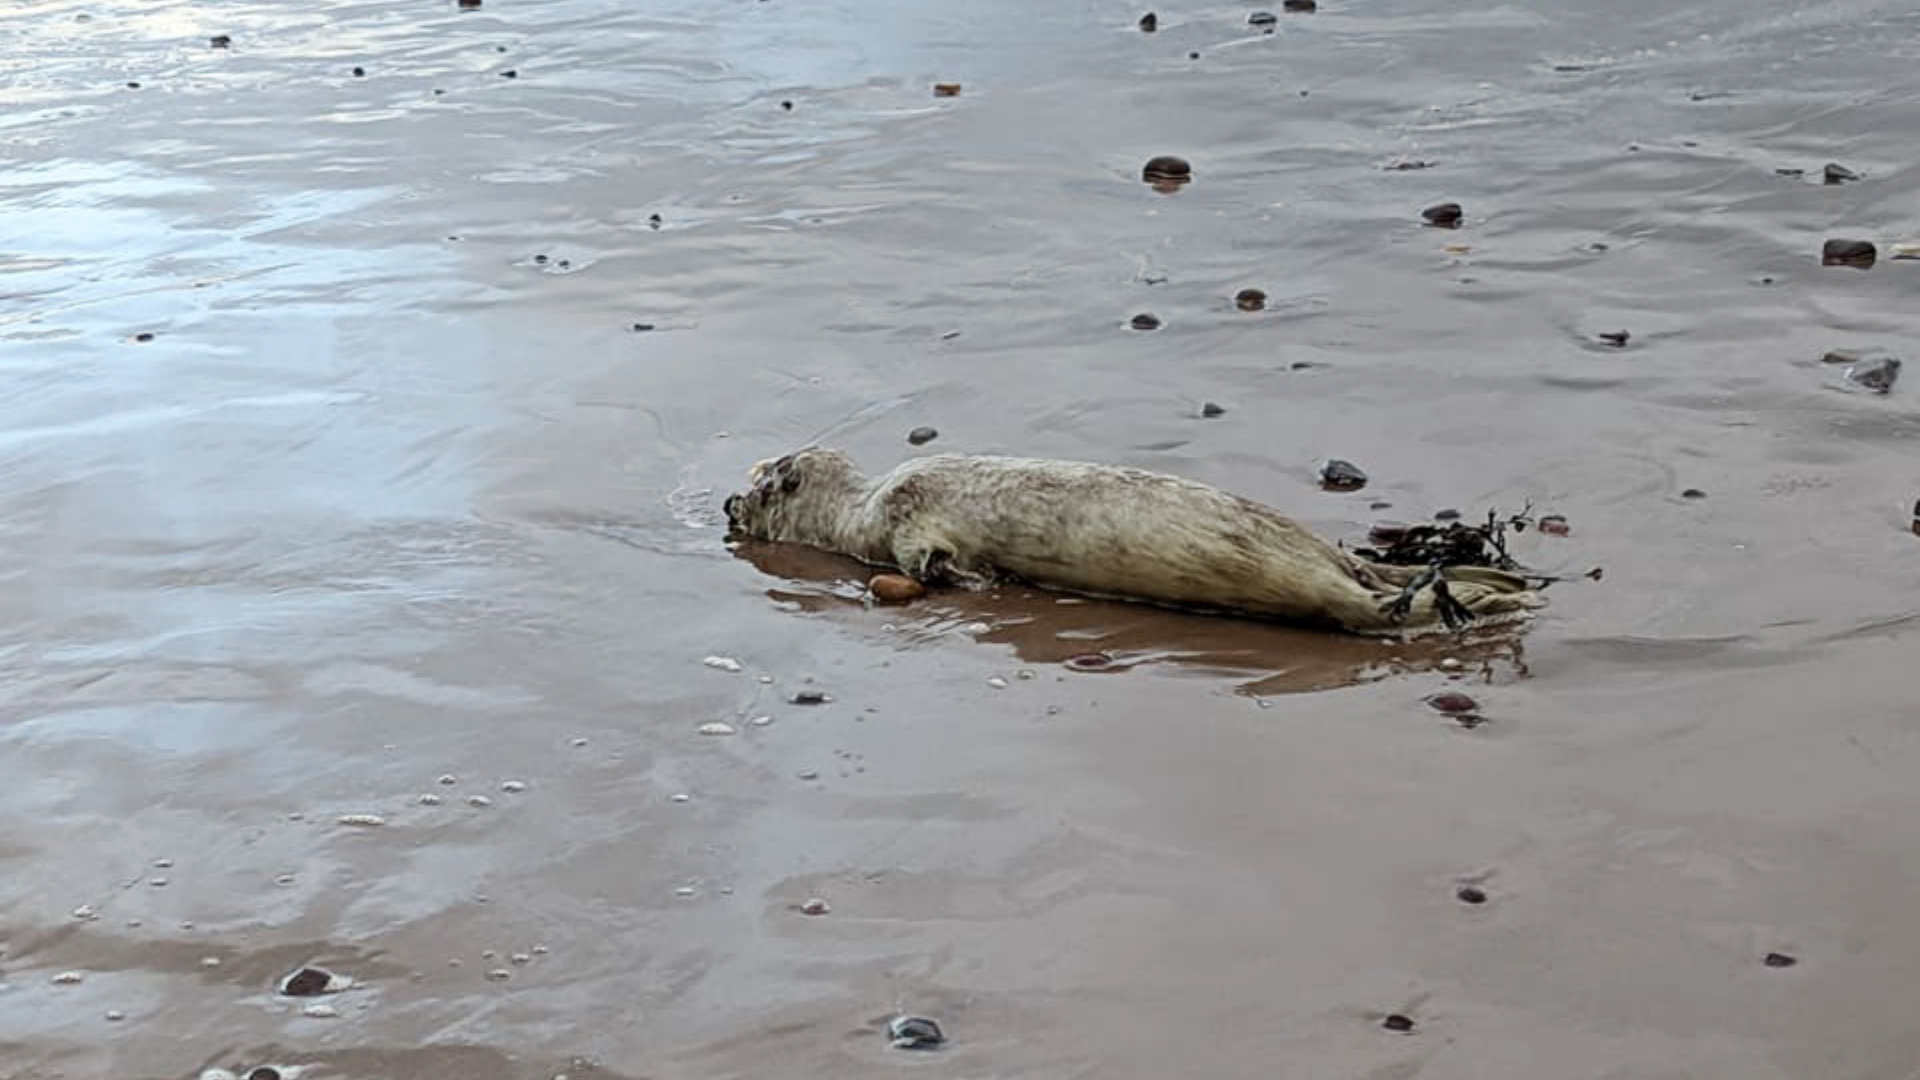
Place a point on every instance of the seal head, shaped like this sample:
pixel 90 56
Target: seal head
pixel 798 497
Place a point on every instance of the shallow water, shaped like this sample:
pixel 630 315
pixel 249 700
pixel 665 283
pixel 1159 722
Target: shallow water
pixel 396 491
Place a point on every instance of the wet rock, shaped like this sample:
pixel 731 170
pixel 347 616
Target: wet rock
pixel 787 106
pixel 469 5
pixel 1452 702
pixel 654 221
pixel 1856 253
pixel 1553 525
pixel 1263 19
pixel 721 663
pixel 133 86
pixel 1193 56
pixel 810 697
pixel 1338 475
pixel 895 588
pixel 1780 960
pixel 1446 215
pixel 1145 321
pixel 1693 493
pixel 143 337
pixel 540 260
pixel 67 978
pixel 814 905
pixel 1398 1022
pixel 1299 7
pixel 1616 338
pixel 1250 300
pixel 1840 356
pixel 716 727
pixel 642 327
pixel 1166 172
pixel 1470 894
pixel 1877 376
pixel 264 1072
pixel 946 89
pixel 359 72
pixel 1409 166
pixel 1149 23
pixel 1838 174
pixel 220 41
pixel 1446 515
pixel 1090 661
pixel 313 982
pixel 362 821
pixel 921 436
pixel 1211 411
pixel 914 1033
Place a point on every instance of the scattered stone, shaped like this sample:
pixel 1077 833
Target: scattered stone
pixel 1856 253
pixel 1903 251
pixel 133 86
pixel 1397 1022
pixel 448 780
pixel 1265 19
pixel 684 890
pixel 808 774
pixel 1089 661
pixel 1210 411
pixel 1409 166
pixel 85 912
pixel 716 727
pixel 996 682
pixel 115 1016
pixel 359 72
pixel 1838 174
pixel 1446 515
pixel 143 336
pixel 362 821
pixel 1553 525
pixel 815 906
pixel 1250 300
pixel 220 41
pixel 1445 215
pixel 67 978
pixel 1338 475
pixel 513 787
pixel 499 975
pixel 1145 321
pixel 895 588
pixel 1149 23
pixel 1916 517
pixel 946 89
pixel 722 663
pixel 510 74
pixel 313 982
pixel 1470 894
pixel 157 882
pixel 642 327
pixel 1780 960
pixel 1193 56
pixel 209 962
pixel 1299 7
pixel 1616 338
pixel 1840 356
pixel 1166 172
pixel 320 1011
pixel 787 105
pixel 654 221
pixel 761 721
pixel 1693 493
pixel 540 260
pixel 521 958
pixel 810 697
pixel 921 436
pixel 479 802
pixel 264 1072
pixel 469 5
pixel 1452 702
pixel 1877 376
pixel 914 1033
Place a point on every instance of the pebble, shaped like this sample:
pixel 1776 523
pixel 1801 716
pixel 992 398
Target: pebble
pixel 1089 661
pixel 133 86
pixel 787 105
pixel 1166 172
pixel 716 727
pixel 67 978
pixel 684 890
pixel 815 906
pixel 1250 300
pixel 85 911
pixel 579 743
pixel 513 787
pixel 681 796
pixel 1299 7
pixel 1263 18
pixel 655 221
pixel 359 72
pixel 761 721
pixel 1338 475
pixel 1693 493
pixel 1145 321
pixel 312 982
pixel 1210 411
pixel 921 436
pixel 364 821
pixel 509 74
pixel 1470 894
pixel 264 1072
pixel 946 89
pixel 521 958
pixel 1916 517
pixel 430 799
pixel 320 1011
pixel 1445 215
pixel 1780 960
pixel 997 682
pixel 469 5
pixel 479 802
pixel 143 336
pixel 115 1015
pixel 1875 375
pixel 808 774
pixel 914 1033
pixel 1452 702
pixel 284 880
pixel 1554 525
pixel 448 779
pixel 163 864
pixel 1397 1022
pixel 220 41
pixel 1616 338
pixel 1840 356
pixel 157 882
pixel 810 697
pixel 1858 253
pixel 895 588
pixel 209 962
pixel 722 663
pixel 1838 174
pixel 1446 515
pixel 1451 664
pixel 499 975
pixel 1149 23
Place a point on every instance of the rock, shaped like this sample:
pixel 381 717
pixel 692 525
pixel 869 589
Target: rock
pixel 722 663
pixel 1553 525
pixel 921 436
pixel 1397 1023
pixel 220 41
pixel 1451 702
pixel 1145 321
pixel 1470 894
pixel 1857 253
pixel 1779 960
pixel 1211 411
pixel 1299 7
pixel 1149 23
pixel 1446 515
pixel 320 1011
pixel 133 86
pixel 479 802
pixel 469 5
pixel 1616 338
pixel 1877 376
pixel 359 72
pixel 1840 356
pixel 313 982
pixel 787 105
pixel 642 327
pixel 513 787
pixel 1838 174
pixel 946 89
pixel 1089 661
pixel 1916 517
pixel 654 221
pixel 1263 19
pixel 143 336
pixel 814 905
pixel 1193 56
pixel 914 1033
pixel 1250 300
pixel 895 588
pixel 499 975
pixel 540 260
pixel 716 727
pixel 67 978
pixel 1693 493
pixel 1338 475
pixel 510 74
pixel 1446 215
pixel 810 697
pixel 264 1072
pixel 362 821
pixel 1167 172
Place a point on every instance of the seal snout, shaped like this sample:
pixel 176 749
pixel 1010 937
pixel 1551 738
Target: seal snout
pixel 732 507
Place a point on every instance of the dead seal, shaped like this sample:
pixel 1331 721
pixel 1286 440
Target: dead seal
pixel 1106 531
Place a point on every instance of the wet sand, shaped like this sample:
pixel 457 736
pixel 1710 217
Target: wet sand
pixel 396 492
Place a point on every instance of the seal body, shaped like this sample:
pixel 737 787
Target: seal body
pixel 1103 531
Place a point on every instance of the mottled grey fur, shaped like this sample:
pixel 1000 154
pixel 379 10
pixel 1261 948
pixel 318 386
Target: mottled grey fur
pixel 1094 529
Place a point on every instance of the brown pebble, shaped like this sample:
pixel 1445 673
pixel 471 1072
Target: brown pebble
pixel 1398 1023
pixel 1445 215
pixel 1167 173
pixel 1250 300
pixel 1858 253
pixel 895 588
pixel 1470 894
pixel 1780 960
pixel 1145 321
pixel 1149 23
pixel 1554 525
pixel 1616 338
pixel 946 89
pixel 1451 702
pixel 921 436
pixel 220 41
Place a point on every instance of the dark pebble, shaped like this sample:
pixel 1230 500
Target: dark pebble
pixel 1554 525
pixel 1210 410
pixel 1145 321
pixel 540 259
pixel 787 105
pixel 1299 7
pixel 1385 533
pixel 1789 172
pixel 914 1033
pixel 1875 375
pixel 1338 475
pixel 133 86
pixel 143 336
pixel 1193 56
pixel 1445 215
pixel 1167 169
pixel 921 436
pixel 499 48
pixel 654 221
pixel 642 327
pixel 1089 661
pixel 1379 504
pixel 1916 517
pixel 469 5
pixel 1693 493
pixel 1397 1022
pixel 1250 300
pixel 1452 702
pixel 1780 960
pixel 437 91
pixel 1470 894
pixel 1262 18
pixel 1446 515
pixel 1405 166
pixel 1840 356
pixel 1149 23
pixel 264 1072
pixel 307 982
pixel 563 264
pixel 1838 174
pixel 510 73
pixel 1616 338
pixel 359 72
pixel 1858 253
pixel 220 41
pixel 810 697
pixel 946 89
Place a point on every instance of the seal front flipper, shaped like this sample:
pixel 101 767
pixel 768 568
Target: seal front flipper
pixel 932 564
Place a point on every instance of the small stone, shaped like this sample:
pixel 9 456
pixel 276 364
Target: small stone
pixel 541 950
pixel 1780 960
pixel 1451 702
pixel 1145 321
pixel 1411 165
pixel 895 588
pixel 1094 661
pixel 761 721
pixel 1451 664
pixel 810 697
pixel 133 86
pixel 1149 23
pixel 264 1072
pixel 946 89
pixel 429 799
pixel 448 779
pixel 1445 215
pixel 521 958
pixel 997 682
pixel 479 802
pixel 540 260
pixel 115 1015
pixel 654 221
pixel 1554 525
pixel 85 912
pixel 220 41
pixel 787 105
pixel 1193 56
pixel 143 336
pixel 313 982
pixel 1875 375
pixel 1840 356
pixel 1338 475
pixel 1211 411
pixel 808 774
pixel 1262 18
pixel 209 962
pixel 1856 253
pixel 1446 515
pixel 921 436
pixel 1838 174
pixel 1616 338
pixel 684 890
pixel 815 906
pixel 1250 300
pixel 642 327
pixel 363 821
pixel 1470 894
pixel 513 787
pixel 716 727
pixel 510 74
pixel 67 978
pixel 320 1011
pixel 1167 173
pixel 469 5
pixel 722 663
pixel 359 72
pixel 158 882
pixel 914 1033
pixel 681 796
pixel 1693 493
pixel 163 864
pixel 284 880
pixel 499 975
pixel 577 743
pixel 1299 7
pixel 1397 1023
